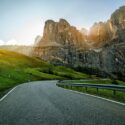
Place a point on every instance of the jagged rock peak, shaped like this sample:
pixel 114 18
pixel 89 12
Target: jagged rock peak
pixel 63 21
pixel 51 25
pixel 49 21
pixel 119 10
pixel 37 39
pixel 118 17
pixel 102 49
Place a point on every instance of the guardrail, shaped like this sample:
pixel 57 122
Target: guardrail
pixel 97 86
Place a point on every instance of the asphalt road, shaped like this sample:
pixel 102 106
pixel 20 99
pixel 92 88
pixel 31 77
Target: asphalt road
pixel 43 103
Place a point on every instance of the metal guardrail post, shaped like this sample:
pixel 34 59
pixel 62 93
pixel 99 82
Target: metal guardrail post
pixel 83 89
pixel 97 90
pixel 86 89
pixel 114 92
pixel 71 86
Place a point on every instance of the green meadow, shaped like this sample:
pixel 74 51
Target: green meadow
pixel 16 68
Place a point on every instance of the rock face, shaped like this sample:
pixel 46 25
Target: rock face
pixel 110 60
pixel 61 33
pixel 101 50
pixel 60 42
pixel 103 32
pixel 37 40
pixel 100 33
pixel 118 18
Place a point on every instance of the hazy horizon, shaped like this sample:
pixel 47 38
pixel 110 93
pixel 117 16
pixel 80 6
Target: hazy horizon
pixel 21 21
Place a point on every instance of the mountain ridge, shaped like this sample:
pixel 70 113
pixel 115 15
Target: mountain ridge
pixel 100 50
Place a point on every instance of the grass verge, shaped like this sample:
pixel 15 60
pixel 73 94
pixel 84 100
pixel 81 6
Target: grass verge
pixel 120 95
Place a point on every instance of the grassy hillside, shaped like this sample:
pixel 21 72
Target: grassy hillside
pixel 16 68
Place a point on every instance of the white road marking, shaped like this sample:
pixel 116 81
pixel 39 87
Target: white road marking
pixel 7 94
pixel 97 97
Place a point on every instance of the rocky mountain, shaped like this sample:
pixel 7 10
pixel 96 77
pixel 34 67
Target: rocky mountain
pixel 99 34
pixel 101 51
pixel 37 40
pixel 59 41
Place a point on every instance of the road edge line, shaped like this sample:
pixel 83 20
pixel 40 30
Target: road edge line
pixel 7 94
pixel 109 100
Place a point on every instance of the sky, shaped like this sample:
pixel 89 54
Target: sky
pixel 22 20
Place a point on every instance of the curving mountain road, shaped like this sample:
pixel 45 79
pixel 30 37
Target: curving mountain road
pixel 43 103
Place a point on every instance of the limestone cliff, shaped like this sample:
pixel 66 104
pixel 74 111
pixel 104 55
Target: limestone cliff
pixel 100 33
pixel 60 42
pixel 102 50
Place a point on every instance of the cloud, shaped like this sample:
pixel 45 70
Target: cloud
pixel 26 34
pixel 1 42
pixel 12 42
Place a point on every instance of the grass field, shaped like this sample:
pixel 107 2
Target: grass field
pixel 17 68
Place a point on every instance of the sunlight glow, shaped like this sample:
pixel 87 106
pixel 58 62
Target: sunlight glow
pixel 1 42
pixel 11 42
pixel 26 34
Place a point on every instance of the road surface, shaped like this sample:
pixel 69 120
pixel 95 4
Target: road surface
pixel 43 103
